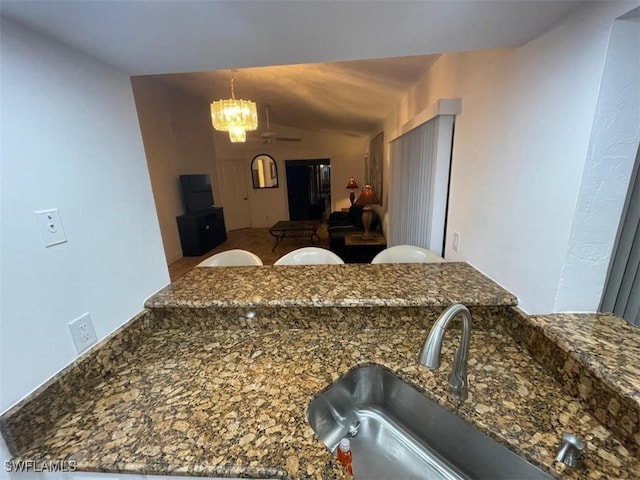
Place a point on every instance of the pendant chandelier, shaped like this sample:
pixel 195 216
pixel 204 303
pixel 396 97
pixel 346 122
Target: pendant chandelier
pixel 234 116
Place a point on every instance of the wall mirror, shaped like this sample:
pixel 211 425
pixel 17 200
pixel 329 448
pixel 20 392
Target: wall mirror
pixel 264 172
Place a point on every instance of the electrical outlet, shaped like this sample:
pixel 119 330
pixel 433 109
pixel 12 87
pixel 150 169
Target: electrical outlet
pixel 83 333
pixel 50 225
pixel 456 241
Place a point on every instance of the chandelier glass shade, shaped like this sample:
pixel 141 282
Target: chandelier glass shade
pixel 237 134
pixel 234 116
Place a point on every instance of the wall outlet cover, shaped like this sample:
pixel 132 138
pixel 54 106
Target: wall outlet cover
pixel 83 333
pixel 456 241
pixel 50 226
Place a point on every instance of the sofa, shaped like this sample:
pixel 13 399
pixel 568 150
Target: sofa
pixel 341 223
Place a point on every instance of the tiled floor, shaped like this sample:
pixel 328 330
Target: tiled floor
pixel 256 240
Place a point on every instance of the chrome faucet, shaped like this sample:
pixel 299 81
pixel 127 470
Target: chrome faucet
pixel 571 451
pixel 432 349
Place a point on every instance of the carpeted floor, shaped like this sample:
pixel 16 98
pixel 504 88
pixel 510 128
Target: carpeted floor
pixel 255 240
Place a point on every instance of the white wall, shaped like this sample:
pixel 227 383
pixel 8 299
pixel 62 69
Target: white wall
pixel 605 181
pixel 520 147
pixel 70 140
pixel 270 205
pixel 178 139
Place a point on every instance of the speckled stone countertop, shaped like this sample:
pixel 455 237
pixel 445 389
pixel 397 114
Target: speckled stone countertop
pixel 608 345
pixel 595 357
pixel 353 285
pixel 233 403
pixel 196 386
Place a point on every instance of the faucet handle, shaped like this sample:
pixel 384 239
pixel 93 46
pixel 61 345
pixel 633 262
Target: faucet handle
pixel 571 451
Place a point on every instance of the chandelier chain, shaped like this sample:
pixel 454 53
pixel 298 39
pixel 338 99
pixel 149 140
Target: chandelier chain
pixel 234 71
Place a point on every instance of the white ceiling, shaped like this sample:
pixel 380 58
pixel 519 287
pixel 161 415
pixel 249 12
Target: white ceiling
pixel 351 98
pixel 173 36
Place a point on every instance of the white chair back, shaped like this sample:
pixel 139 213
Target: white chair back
pixel 310 256
pixel 407 254
pixel 231 258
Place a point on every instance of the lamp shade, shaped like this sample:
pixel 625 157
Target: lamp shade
pixel 352 185
pixel 367 196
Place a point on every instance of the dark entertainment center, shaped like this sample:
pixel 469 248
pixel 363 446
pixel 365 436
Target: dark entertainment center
pixel 201 228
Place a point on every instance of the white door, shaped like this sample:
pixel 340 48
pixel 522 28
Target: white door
pixel 234 194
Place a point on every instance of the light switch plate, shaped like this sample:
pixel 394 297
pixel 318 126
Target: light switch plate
pixel 50 225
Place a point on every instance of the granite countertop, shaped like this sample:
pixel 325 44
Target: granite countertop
pixel 233 403
pixel 606 344
pixel 595 358
pixel 388 285
pixel 197 386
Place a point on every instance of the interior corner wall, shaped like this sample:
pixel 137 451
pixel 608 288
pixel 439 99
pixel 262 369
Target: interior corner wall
pixel 267 206
pixel 178 139
pixel 70 140
pixel 605 182
pixel 520 147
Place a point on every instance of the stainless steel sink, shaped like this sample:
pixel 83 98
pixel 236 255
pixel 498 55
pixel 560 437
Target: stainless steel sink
pixel 398 433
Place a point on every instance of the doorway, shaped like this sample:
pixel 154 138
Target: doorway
pixel 308 188
pixel 234 194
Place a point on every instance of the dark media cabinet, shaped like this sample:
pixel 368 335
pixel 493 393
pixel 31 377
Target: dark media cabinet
pixel 201 231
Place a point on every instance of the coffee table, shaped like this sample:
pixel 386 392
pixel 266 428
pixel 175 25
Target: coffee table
pixel 294 228
pixel 362 250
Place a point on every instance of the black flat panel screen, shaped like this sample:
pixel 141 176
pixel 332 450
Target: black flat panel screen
pixel 196 192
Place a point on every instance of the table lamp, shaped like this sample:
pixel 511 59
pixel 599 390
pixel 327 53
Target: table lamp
pixel 366 199
pixel 352 185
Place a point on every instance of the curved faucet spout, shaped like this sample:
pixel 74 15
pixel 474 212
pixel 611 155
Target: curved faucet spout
pixel 432 348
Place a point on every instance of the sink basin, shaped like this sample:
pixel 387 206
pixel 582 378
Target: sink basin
pixel 400 433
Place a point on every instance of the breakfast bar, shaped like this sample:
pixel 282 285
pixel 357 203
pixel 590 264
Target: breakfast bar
pixel 215 376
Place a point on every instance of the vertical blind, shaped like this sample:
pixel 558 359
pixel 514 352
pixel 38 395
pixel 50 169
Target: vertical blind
pixel 622 291
pixel 420 184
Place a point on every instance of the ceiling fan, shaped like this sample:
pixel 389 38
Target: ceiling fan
pixel 268 136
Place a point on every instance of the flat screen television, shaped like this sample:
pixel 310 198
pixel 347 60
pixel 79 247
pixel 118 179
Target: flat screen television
pixel 196 192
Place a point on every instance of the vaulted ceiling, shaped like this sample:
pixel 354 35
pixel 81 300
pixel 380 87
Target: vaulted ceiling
pixel 351 98
pixel 203 39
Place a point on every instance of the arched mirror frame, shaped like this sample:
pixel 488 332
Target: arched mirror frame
pixel 271 173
